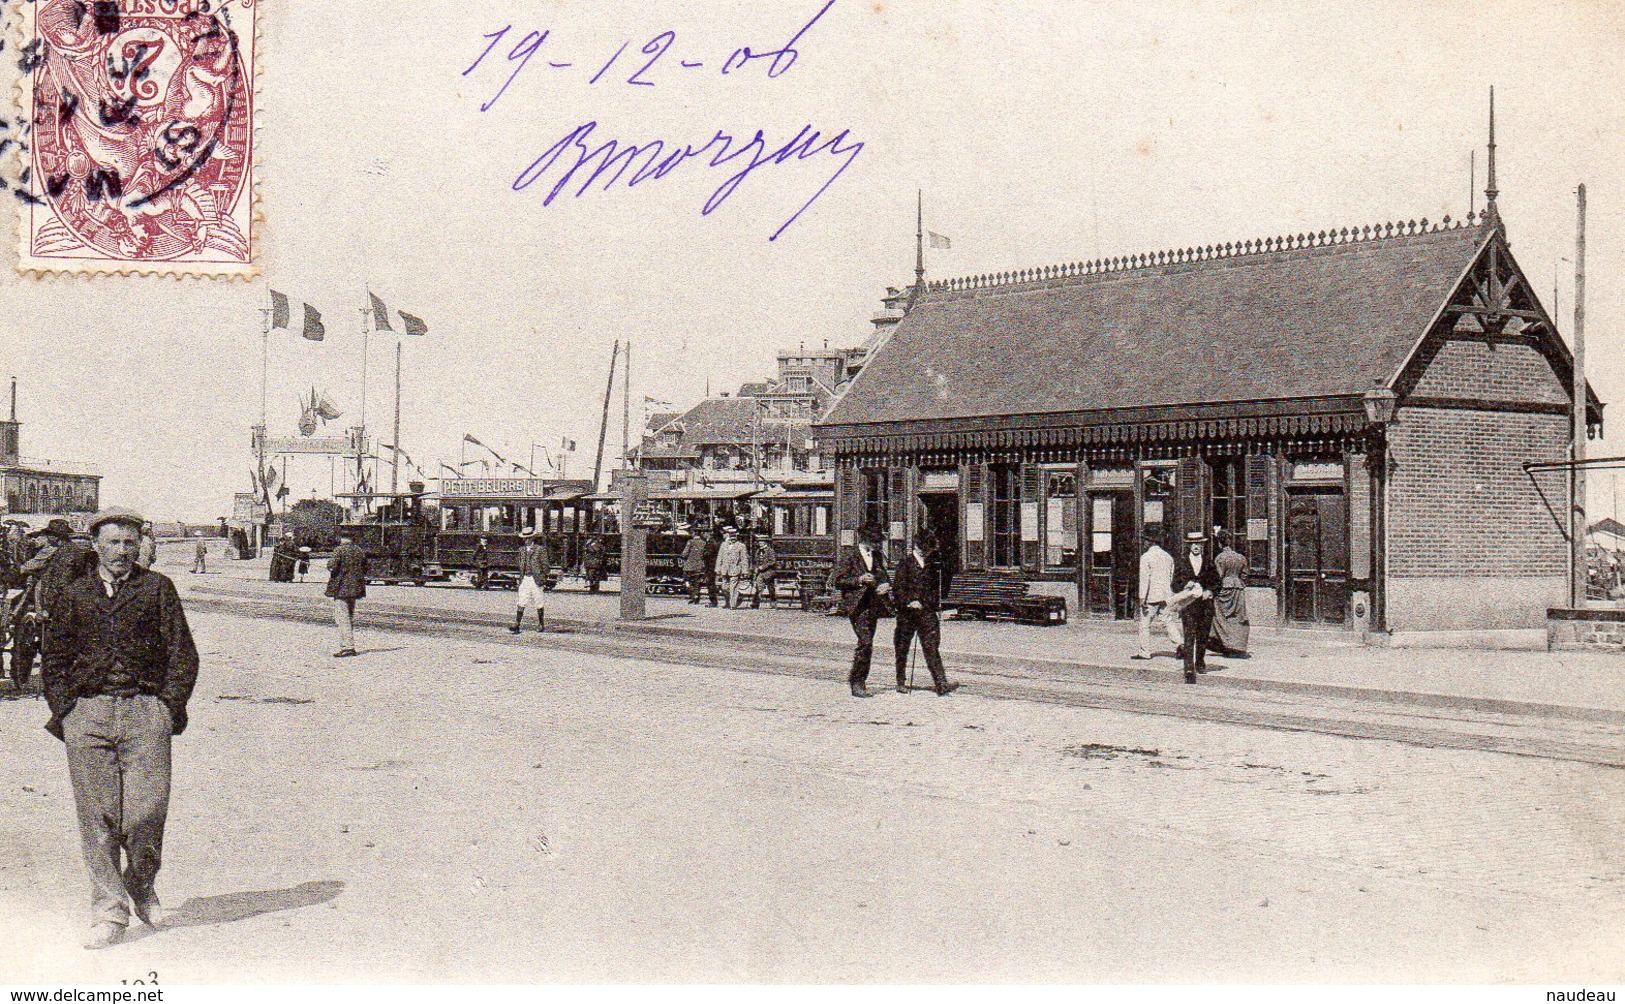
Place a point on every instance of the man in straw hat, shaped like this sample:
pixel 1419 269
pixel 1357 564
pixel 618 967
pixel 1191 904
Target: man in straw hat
pixel 1196 581
pixel 119 668
pixel 533 565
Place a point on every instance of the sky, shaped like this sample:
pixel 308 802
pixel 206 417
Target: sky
pixel 1037 136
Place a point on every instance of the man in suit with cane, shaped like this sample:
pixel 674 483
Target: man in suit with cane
pixel 916 587
pixel 860 575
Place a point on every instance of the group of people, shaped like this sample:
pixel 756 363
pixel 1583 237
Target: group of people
pixel 911 593
pixel 1198 598
pixel 722 562
pixel 290 561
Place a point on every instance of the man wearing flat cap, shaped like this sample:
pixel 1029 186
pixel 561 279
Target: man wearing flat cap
pixel 119 668
pixel 1196 576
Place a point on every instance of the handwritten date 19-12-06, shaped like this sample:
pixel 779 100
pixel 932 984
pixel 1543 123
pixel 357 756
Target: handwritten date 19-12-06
pixel 644 69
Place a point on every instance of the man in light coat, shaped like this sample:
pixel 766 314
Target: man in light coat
pixel 1156 588
pixel 733 565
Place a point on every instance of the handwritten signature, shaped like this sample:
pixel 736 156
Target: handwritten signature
pixel 659 159
pixel 780 59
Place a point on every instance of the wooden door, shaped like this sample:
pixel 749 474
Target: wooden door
pixel 1112 581
pixel 1317 539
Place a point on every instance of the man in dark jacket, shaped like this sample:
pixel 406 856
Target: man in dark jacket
pixel 694 566
pixel 534 565
pixel 766 563
pixel 1195 573
pixel 860 575
pixel 916 593
pixel 346 583
pixel 119 668
pixel 593 563
pixel 482 564
pixel 713 547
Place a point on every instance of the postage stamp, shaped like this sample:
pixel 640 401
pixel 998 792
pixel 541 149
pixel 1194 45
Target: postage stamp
pixel 141 137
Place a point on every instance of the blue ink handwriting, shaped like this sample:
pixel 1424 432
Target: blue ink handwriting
pixel 780 60
pixel 660 159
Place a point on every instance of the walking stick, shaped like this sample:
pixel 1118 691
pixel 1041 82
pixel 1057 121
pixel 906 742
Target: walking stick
pixel 913 658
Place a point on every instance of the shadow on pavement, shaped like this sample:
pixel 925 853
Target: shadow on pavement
pixel 231 907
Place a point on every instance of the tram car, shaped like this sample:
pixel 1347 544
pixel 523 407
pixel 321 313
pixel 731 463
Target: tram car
pixel 396 533
pixel 496 510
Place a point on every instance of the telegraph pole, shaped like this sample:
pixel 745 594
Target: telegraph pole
pixel 1577 481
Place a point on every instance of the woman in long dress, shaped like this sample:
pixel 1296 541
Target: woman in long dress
pixel 1230 625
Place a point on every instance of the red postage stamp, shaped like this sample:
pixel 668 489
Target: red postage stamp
pixel 141 142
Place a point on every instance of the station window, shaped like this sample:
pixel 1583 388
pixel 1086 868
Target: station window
pixel 1006 490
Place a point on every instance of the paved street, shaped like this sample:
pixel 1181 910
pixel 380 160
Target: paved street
pixel 456 809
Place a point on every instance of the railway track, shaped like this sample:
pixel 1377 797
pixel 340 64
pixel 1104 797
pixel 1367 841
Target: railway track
pixel 1579 737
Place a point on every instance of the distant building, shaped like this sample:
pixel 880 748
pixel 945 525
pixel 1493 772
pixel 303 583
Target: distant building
pixel 42 486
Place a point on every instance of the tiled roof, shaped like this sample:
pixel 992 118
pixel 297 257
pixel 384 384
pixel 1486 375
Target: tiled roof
pixel 718 420
pixel 1287 318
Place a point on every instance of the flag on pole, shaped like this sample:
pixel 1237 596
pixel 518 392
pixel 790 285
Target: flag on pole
pixel 567 445
pixel 324 407
pixel 380 314
pixel 314 330
pixel 414 325
pixel 467 438
pixel 454 471
pixel 937 242
pixel 279 309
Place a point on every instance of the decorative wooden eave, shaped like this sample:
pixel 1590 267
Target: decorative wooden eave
pixel 1220 421
pixel 1495 302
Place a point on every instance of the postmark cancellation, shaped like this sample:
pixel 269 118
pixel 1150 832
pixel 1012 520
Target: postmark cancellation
pixel 140 144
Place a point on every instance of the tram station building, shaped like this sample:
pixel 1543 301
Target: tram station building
pixel 1354 406
pixel 30 486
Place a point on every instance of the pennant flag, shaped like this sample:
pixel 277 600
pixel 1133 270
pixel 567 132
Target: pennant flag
pixel 567 445
pixel 307 422
pixel 279 309
pixel 470 439
pixel 324 407
pixel 454 471
pixel 282 493
pixel 380 314
pixel 937 242
pixel 314 330
pixel 414 325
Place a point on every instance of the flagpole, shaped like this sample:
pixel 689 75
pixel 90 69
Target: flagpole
pixel 395 458
pixel 259 437
pixel 626 411
pixel 361 438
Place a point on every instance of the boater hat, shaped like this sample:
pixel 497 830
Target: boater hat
pixel 527 533
pixel 1196 537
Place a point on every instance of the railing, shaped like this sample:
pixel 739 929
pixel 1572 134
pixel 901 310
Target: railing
pixel 57 466
pixel 1210 252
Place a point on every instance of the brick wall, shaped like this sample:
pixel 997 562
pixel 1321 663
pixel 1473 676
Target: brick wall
pixel 1499 372
pixel 1459 503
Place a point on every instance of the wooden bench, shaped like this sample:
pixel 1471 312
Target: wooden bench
pixel 1002 594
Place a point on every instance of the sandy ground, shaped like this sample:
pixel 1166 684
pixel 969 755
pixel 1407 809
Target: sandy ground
pixel 447 810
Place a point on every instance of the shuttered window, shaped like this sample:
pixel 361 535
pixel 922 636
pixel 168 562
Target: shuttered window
pixel 1259 530
pixel 1005 482
pixel 974 517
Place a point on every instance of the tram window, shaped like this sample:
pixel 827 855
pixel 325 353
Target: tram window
pixel 820 521
pixel 779 520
